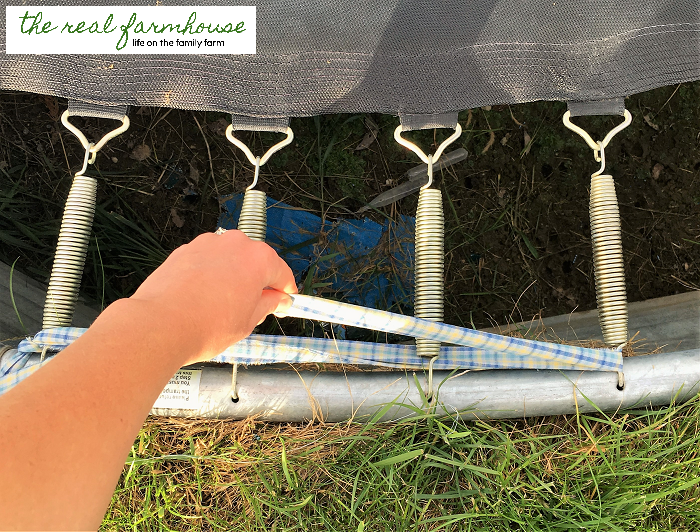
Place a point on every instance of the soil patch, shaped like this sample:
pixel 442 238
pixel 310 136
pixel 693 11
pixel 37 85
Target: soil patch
pixel 517 229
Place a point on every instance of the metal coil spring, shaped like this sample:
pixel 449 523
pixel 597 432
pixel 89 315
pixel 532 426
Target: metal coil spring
pixel 253 219
pixel 73 240
pixel 253 222
pixel 606 236
pixel 430 265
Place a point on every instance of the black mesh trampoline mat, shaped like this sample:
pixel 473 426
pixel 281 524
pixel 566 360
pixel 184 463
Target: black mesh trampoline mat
pixel 399 57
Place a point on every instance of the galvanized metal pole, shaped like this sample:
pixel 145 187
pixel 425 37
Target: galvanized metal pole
pixel 288 396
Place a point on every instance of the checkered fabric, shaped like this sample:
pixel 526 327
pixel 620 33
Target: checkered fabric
pixel 262 349
pixel 16 366
pixel 379 320
pixel 473 349
pixel 55 339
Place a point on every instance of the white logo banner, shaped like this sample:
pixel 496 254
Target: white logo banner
pixel 130 30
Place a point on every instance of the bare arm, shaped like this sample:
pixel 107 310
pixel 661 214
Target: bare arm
pixel 66 430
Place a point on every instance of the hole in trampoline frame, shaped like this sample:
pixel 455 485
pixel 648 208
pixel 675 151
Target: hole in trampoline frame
pixel 235 399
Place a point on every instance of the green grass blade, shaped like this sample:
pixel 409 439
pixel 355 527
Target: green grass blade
pixel 12 297
pixel 410 455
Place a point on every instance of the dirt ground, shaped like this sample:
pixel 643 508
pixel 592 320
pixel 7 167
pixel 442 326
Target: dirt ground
pixel 517 228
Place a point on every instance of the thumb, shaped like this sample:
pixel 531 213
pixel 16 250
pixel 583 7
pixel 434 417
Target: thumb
pixel 271 301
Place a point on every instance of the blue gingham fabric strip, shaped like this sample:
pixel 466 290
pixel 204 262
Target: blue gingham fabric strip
pixel 266 349
pixel 55 339
pixel 262 349
pixel 16 366
pixel 470 350
pixel 345 314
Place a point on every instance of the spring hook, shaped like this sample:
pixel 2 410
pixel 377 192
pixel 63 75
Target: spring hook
pixel 234 388
pixel 596 146
pixel 429 393
pixel 74 235
pixel 277 147
pixel 620 380
pixel 429 252
pixel 91 148
pixel 253 218
pixel 606 238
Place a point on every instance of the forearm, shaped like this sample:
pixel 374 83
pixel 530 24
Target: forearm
pixel 71 424
pixel 66 430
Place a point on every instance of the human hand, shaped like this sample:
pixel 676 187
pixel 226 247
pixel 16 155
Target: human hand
pixel 216 289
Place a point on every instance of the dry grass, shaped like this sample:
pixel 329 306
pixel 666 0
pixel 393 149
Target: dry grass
pixel 637 469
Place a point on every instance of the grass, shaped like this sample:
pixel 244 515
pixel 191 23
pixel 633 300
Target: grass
pixel 12 298
pixel 515 214
pixel 637 470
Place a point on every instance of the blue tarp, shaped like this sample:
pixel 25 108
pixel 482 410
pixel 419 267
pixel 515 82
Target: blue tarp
pixel 361 261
